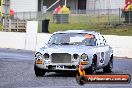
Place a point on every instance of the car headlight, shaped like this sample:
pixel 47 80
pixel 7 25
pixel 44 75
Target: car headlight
pixel 39 56
pixel 46 56
pixel 84 57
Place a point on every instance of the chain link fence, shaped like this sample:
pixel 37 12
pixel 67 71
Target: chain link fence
pixel 97 16
pixel 109 16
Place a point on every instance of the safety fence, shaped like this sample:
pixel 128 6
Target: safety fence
pixel 109 16
pixel 77 19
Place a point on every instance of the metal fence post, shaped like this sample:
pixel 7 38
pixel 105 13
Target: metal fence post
pixel 129 17
pixel 23 15
pixel 108 17
pixel 61 18
pixel 119 15
pixel 98 15
pixel 15 15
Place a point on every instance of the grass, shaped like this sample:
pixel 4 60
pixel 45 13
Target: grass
pixel 91 23
pixel 103 24
pixel 122 29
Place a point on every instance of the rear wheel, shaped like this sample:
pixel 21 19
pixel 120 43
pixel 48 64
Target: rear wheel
pixel 108 68
pixel 38 71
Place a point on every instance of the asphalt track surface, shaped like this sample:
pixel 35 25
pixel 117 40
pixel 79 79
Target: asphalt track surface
pixel 16 71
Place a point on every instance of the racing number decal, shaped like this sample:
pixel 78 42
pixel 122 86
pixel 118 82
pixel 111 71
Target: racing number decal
pixel 102 58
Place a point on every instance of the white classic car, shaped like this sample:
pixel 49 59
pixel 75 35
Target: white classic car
pixel 65 50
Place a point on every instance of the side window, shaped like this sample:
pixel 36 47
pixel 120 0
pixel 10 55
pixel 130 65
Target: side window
pixel 102 41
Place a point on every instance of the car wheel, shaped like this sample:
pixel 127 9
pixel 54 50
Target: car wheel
pixel 108 68
pixel 38 71
pixel 93 68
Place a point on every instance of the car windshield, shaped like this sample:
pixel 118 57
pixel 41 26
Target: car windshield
pixel 73 39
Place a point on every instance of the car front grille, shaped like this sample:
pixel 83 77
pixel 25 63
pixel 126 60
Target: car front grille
pixel 61 58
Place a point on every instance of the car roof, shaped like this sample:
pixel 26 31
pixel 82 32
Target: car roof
pixel 77 31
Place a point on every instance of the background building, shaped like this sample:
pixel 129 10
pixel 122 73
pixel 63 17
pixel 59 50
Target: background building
pixel 37 5
pixel 24 5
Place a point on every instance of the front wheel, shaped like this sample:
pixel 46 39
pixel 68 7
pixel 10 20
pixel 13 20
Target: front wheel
pixel 93 68
pixel 108 68
pixel 38 71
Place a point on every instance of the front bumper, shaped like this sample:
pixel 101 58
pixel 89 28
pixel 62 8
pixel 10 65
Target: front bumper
pixel 60 68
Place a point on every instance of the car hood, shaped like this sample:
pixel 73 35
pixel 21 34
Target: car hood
pixel 71 49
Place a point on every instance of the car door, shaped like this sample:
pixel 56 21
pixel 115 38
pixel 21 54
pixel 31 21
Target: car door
pixel 107 52
pixel 104 51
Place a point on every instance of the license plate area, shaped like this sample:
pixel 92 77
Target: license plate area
pixel 59 67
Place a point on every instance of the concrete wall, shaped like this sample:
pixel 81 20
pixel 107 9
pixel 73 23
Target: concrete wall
pixel 24 5
pixel 12 40
pixel 42 38
pixel 122 45
pixel 19 41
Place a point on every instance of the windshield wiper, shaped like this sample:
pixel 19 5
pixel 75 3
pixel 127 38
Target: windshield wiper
pixel 55 43
pixel 89 45
pixel 67 43
pixel 62 43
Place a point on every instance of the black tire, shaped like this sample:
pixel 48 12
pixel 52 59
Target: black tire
pixel 93 67
pixel 108 68
pixel 39 72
